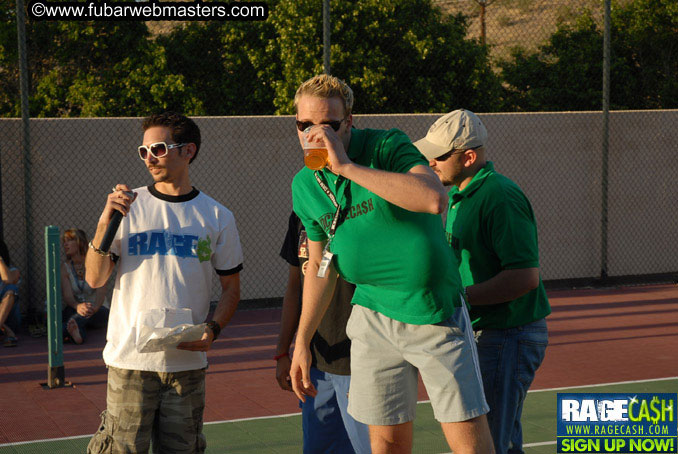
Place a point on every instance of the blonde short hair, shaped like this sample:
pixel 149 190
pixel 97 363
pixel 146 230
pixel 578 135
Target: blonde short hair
pixel 326 86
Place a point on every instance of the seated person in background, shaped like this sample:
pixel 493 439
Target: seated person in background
pixel 9 277
pixel 83 305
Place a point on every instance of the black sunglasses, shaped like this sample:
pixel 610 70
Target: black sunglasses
pixel 304 125
pixel 449 154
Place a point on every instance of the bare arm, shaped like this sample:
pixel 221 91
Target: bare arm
pixel 98 268
pixel 316 298
pixel 85 308
pixel 290 310
pixel 7 275
pixel 505 286
pixel 228 303
pixel 99 298
pixel 417 190
pixel 230 297
pixel 289 322
pixel 66 289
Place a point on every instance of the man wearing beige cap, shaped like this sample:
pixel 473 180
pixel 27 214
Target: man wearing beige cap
pixel 493 233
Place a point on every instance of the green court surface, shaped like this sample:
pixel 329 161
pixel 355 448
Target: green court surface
pixel 282 434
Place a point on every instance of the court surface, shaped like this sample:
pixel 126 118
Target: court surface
pixel 601 340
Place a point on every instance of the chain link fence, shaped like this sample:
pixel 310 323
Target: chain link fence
pixel 506 24
pixel 247 163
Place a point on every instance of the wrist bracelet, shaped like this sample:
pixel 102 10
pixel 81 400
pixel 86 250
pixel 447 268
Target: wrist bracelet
pixel 99 251
pixel 216 329
pixel 282 355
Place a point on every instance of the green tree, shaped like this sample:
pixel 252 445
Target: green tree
pixel 89 69
pixel 9 66
pixel 646 34
pixel 224 64
pixel 397 55
pixel 566 72
pixel 110 69
pixel 562 75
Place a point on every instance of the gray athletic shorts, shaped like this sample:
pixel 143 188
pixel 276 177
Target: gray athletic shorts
pixel 386 355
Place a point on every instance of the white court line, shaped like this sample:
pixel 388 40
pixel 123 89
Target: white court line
pixel 546 443
pixel 419 402
pixel 529 445
pixel 604 384
pixel 541 443
pixel 75 437
pixel 597 385
pixel 46 440
pixel 252 419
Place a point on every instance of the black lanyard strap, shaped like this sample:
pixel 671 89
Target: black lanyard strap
pixel 333 199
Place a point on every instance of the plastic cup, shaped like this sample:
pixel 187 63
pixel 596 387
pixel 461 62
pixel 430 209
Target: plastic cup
pixel 315 153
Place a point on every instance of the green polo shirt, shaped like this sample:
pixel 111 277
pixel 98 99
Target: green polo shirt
pixel 491 227
pixel 397 259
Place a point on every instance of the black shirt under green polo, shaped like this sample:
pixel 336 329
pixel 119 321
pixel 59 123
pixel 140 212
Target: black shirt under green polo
pixel 491 227
pixel 330 346
pixel 398 259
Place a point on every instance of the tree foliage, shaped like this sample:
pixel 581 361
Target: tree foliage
pixel 89 69
pixel 566 73
pixel 647 40
pixel 226 65
pixel 397 55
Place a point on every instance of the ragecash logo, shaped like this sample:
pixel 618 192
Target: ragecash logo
pixel 617 422
pixel 164 242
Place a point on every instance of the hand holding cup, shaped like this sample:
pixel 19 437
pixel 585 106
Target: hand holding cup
pixel 315 152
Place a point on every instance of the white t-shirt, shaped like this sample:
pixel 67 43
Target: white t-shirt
pixel 167 247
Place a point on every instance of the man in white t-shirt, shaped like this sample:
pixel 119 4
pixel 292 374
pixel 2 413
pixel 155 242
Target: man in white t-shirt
pixel 170 239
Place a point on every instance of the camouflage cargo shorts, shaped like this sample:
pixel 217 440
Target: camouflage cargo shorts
pixel 165 407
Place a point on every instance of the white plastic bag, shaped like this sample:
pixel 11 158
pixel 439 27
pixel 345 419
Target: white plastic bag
pixel 164 329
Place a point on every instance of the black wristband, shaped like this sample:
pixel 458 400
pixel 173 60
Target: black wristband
pixel 216 329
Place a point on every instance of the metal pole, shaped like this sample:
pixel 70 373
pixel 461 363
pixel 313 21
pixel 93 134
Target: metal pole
pixel 483 5
pixel 55 371
pixel 606 138
pixel 326 36
pixel 25 139
pixel 1 221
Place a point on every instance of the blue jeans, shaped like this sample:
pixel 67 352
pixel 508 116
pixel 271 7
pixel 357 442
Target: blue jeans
pixel 14 316
pixel 98 320
pixel 509 359
pixel 328 428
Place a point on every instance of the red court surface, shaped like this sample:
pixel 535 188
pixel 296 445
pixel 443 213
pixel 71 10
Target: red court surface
pixel 596 336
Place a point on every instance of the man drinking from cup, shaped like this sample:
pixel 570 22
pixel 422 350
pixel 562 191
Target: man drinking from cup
pixel 371 215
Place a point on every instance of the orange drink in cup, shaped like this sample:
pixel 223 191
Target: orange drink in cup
pixel 315 153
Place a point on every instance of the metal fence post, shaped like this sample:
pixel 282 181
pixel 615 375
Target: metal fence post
pixel 55 371
pixel 326 36
pixel 25 139
pixel 1 221
pixel 606 141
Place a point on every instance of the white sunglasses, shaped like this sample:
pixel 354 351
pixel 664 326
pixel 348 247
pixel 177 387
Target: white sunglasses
pixel 157 150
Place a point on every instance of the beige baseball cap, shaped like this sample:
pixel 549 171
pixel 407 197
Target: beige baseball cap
pixel 458 130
